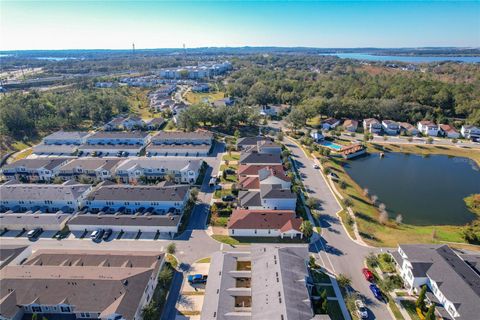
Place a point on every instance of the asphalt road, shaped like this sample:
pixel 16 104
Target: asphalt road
pixel 335 250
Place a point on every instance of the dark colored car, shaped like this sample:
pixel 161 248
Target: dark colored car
pixel 107 234
pixel 376 291
pixel 197 278
pixel 228 198
pixel 368 274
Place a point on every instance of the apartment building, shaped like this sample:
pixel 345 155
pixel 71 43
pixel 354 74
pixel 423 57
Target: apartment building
pixel 32 170
pixel 67 197
pixel 179 143
pixel 61 143
pixel 130 199
pixel 267 282
pixel 93 168
pixel 78 284
pixel 182 170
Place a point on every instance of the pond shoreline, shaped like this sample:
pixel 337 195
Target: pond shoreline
pixel 391 233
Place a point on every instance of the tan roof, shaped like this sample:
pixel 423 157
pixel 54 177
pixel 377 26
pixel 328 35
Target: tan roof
pixel 447 128
pixel 249 182
pixel 96 281
pixel 352 149
pixel 264 219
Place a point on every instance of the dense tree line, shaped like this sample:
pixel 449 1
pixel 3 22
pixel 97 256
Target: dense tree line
pixel 24 116
pixel 224 118
pixel 337 88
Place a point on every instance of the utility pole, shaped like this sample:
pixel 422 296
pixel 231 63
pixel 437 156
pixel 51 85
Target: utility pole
pixel 133 48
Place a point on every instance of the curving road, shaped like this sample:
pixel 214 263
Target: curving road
pixel 335 250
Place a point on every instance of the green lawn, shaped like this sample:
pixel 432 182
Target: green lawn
pixel 234 156
pixel 411 309
pixel 198 97
pixel 220 193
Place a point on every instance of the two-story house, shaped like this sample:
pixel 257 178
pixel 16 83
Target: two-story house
pixel 390 127
pixel 372 125
pixel 428 128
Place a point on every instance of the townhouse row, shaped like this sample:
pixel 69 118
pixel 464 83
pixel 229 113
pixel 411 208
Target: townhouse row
pixel 120 143
pixel 76 284
pixel 133 170
pixel 390 127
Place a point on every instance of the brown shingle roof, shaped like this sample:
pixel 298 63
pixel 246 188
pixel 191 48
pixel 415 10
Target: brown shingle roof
pixel 264 219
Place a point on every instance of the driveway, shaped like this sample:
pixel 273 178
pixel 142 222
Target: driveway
pixel 335 250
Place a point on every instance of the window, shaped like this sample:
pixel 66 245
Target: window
pixel 233 231
pixel 65 309
pixel 36 309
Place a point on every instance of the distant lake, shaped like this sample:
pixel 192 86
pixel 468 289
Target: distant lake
pixel 406 59
pixel 55 58
pixel 424 190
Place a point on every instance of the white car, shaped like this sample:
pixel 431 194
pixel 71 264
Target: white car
pixel 316 166
pixel 361 309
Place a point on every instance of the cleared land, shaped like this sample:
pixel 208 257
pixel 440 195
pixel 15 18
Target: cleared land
pixel 197 97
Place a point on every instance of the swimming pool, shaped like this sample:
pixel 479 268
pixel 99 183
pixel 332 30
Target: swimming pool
pixel 331 145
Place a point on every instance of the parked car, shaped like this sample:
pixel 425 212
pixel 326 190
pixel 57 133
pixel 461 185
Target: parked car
pixel 107 234
pixel 32 234
pixel 97 234
pixel 333 175
pixel 212 182
pixel 228 198
pixel 229 171
pixel 316 166
pixel 197 278
pixel 362 311
pixel 368 274
pixel 376 291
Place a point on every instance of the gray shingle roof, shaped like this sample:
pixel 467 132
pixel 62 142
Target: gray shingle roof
pixel 138 193
pixel 18 191
pixel 90 164
pixel 275 191
pixel 118 135
pixel 267 263
pixel 38 163
pixel 455 278
pixel 249 198
pixel 62 135
pixel 125 220
pixel 259 158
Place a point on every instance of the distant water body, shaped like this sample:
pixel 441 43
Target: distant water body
pixel 406 59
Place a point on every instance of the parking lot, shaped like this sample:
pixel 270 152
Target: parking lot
pixel 191 296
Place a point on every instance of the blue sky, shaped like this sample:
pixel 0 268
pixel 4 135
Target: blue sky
pixel 164 24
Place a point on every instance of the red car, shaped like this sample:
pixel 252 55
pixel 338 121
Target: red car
pixel 368 274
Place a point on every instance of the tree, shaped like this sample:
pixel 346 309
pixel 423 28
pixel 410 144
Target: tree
pixel 149 312
pixel 171 248
pixel 347 202
pixel 312 203
pixel 259 93
pixel 306 228
pixel 325 306
pixel 280 136
pixel 343 280
pixel 420 302
pixel 430 313
pixel 237 133
pixel 194 194
pixel 342 184
pixel 399 219
pixel 165 276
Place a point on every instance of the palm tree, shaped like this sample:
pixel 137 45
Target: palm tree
pixel 306 228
